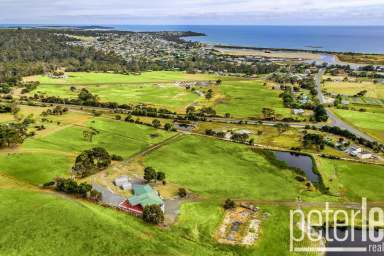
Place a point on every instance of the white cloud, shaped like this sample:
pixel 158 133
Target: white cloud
pixel 197 11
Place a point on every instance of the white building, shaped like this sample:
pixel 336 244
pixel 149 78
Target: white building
pixel 364 155
pixel 298 111
pixel 354 150
pixel 121 180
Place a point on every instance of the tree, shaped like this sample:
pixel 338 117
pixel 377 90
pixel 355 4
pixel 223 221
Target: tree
pixel 153 214
pixel 320 114
pixel 269 114
pixel 91 161
pixel 182 192
pixel 168 126
pixel 282 127
pixel 209 94
pixel 149 174
pixel 229 204
pixel 160 176
pixel 156 123
pixel 190 109
pixel 316 140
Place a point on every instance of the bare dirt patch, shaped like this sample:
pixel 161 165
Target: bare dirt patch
pixel 241 226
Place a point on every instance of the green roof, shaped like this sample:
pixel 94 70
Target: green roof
pixel 141 189
pixel 144 196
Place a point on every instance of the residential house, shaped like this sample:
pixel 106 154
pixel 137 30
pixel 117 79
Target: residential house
pixel 144 195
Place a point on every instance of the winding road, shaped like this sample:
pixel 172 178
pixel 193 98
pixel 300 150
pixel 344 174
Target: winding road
pixel 336 121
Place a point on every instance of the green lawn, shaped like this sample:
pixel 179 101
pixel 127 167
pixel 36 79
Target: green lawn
pixel 248 98
pixel 353 180
pixel 42 158
pixel 218 169
pixel 369 122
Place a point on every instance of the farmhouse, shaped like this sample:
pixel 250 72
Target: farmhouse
pixel 144 196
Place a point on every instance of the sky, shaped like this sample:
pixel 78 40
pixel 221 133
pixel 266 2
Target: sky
pixel 193 12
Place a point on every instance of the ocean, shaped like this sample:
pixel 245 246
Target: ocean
pixel 323 38
pixel 365 39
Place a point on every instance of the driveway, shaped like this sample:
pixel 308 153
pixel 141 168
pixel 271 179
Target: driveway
pixel 107 196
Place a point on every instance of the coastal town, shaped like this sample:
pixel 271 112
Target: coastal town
pixel 117 142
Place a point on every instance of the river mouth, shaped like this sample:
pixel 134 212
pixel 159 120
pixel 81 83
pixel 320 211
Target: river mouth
pixel 298 161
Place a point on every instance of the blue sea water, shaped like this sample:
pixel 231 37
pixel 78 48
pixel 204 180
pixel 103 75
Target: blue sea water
pixel 326 38
pixel 367 39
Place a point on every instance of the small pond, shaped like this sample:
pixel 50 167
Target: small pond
pixel 302 162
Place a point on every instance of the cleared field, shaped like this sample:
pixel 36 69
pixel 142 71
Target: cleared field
pixel 117 137
pixel 352 88
pixel 156 88
pixel 52 151
pixel 352 180
pixel 36 223
pixel 270 54
pixel 262 134
pixel 167 95
pixel 361 58
pixel 218 169
pixel 24 112
pixel 248 98
pixel 86 78
pixel 369 122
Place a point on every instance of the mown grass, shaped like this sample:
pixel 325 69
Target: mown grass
pixel 248 98
pixel 352 180
pixel 369 122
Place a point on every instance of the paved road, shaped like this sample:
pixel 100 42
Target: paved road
pixel 336 121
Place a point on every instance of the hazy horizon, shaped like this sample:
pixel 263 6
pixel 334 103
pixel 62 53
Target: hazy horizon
pixel 198 12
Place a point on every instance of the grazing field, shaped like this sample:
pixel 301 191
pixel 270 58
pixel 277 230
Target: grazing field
pixel 248 98
pixel 219 169
pixel 117 137
pixel 369 122
pixel 262 134
pixel 166 95
pixel 156 88
pixel 51 152
pixel 35 223
pixel 352 88
pixel 352 180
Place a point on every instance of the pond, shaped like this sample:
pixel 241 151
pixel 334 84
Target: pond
pixel 301 162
